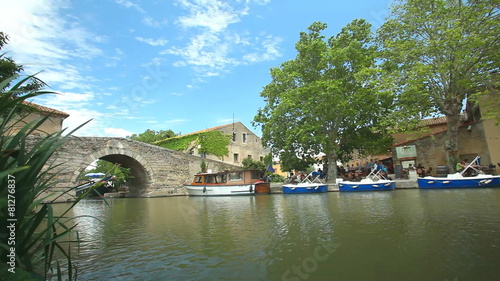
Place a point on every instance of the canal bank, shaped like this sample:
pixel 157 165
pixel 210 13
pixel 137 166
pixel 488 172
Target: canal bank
pixel 400 184
pixel 60 195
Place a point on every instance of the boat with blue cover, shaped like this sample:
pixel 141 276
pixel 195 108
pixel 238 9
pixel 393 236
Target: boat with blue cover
pixel 458 180
pixel 375 181
pixel 97 183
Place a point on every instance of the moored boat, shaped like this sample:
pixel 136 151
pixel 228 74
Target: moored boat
pixel 98 186
pixel 310 184
pixel 375 181
pixel 241 182
pixel 458 180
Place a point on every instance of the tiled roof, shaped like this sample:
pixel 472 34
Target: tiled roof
pixel 433 121
pixel 45 109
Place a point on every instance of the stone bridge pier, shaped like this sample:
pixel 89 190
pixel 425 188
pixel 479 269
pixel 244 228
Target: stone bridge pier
pixel 156 171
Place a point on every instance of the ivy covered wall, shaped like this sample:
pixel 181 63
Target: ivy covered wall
pixel 209 142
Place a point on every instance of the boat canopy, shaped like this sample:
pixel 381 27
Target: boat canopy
pixel 95 175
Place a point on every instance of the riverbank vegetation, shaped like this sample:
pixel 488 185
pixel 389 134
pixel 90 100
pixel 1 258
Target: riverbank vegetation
pixel 36 244
pixel 351 91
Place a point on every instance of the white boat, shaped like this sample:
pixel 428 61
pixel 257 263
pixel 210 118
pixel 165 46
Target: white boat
pixel 458 180
pixel 242 182
pixel 375 181
pixel 309 184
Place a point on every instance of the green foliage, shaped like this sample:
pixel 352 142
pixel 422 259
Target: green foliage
pixel 151 136
pixel 323 100
pixel 41 238
pixel 276 178
pixel 203 166
pixel 180 143
pixel 209 142
pixel 249 163
pixel 436 54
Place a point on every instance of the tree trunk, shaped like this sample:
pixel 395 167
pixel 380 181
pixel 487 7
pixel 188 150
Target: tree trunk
pixel 332 167
pixel 451 143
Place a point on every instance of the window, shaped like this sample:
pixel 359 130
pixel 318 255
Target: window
pixel 255 175
pixel 203 154
pixel 244 137
pixel 235 157
pixel 234 136
pixel 249 156
pixel 198 179
pixel 236 176
pixel 210 179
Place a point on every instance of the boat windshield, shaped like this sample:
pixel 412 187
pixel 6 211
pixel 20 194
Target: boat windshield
pixel 210 179
pixel 198 179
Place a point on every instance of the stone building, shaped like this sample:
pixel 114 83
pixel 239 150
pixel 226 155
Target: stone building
pixel 476 138
pixel 244 144
pixel 36 112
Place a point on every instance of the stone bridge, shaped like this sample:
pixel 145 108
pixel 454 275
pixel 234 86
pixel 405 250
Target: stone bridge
pixel 156 171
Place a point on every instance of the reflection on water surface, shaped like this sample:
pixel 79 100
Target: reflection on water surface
pixel 394 235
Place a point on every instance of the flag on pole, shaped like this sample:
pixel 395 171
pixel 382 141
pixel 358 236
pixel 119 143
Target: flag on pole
pixel 270 169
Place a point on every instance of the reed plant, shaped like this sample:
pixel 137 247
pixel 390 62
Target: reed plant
pixel 35 243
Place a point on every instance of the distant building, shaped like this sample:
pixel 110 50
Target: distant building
pixel 476 137
pixel 36 112
pixel 244 144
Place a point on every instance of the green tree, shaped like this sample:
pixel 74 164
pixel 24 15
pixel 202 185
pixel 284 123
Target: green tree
pixel 437 53
pixel 323 101
pixel 9 68
pixel 151 136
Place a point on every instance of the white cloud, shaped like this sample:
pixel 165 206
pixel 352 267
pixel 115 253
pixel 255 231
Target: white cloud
pixel 270 50
pixel 130 4
pixel 215 47
pixel 152 42
pixel 117 132
pixel 149 21
pixel 212 14
pixel 41 38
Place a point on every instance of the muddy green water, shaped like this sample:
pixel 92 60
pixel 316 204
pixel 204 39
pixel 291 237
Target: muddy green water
pixel 451 235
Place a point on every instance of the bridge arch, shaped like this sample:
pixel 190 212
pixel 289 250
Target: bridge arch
pixel 115 152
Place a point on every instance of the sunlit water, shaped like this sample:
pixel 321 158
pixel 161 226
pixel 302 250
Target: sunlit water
pixel 451 235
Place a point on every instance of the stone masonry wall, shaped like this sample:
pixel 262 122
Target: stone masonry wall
pixel 157 171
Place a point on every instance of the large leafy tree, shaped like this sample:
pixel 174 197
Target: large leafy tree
pixel 322 100
pixel 437 53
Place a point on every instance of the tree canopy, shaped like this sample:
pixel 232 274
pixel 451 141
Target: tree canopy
pixel 151 136
pixel 323 100
pixel 436 54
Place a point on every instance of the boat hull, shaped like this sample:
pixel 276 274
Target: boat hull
pixel 220 190
pixel 263 188
pixel 304 188
pixel 348 186
pixel 96 192
pixel 465 182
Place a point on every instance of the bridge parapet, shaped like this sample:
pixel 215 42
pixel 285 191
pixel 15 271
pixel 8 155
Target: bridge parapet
pixel 156 171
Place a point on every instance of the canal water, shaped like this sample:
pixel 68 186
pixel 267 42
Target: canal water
pixel 414 234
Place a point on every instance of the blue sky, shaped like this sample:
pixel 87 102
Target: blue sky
pixel 184 65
